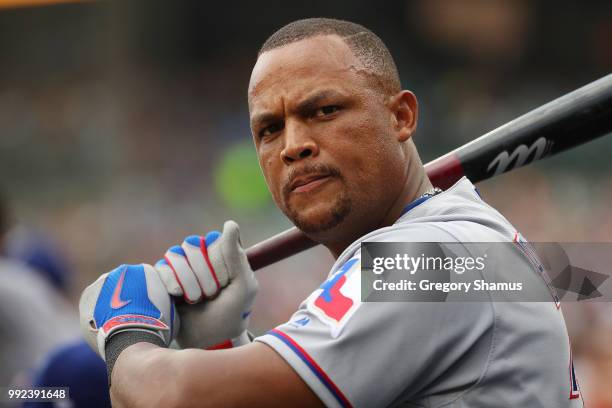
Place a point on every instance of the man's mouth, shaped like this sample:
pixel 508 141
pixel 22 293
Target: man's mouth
pixel 308 182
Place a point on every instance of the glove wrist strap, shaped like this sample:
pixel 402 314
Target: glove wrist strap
pixel 124 339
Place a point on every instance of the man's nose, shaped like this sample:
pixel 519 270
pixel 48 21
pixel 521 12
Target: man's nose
pixel 299 144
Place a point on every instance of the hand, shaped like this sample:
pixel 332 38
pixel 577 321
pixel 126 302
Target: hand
pixel 214 272
pixel 131 297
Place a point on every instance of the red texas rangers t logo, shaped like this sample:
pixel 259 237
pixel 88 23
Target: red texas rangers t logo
pixel 338 297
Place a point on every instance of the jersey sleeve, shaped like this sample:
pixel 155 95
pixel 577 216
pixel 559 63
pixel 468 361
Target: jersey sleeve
pixel 354 353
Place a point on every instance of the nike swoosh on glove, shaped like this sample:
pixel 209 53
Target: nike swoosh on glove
pixel 130 297
pixel 213 275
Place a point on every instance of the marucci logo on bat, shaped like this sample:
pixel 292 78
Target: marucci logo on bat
pixel 521 153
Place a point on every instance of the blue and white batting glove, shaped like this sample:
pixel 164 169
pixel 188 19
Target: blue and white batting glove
pixel 213 275
pixel 129 298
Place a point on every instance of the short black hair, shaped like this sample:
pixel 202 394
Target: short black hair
pixel 364 44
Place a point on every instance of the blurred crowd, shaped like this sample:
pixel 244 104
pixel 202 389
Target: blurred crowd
pixel 124 128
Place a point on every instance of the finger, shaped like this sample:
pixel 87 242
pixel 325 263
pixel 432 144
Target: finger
pixel 213 248
pixel 194 247
pixel 177 260
pixel 167 276
pixel 231 247
pixel 234 254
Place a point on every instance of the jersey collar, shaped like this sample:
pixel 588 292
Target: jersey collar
pixel 415 203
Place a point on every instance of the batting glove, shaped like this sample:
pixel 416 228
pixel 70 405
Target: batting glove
pixel 212 271
pixel 131 297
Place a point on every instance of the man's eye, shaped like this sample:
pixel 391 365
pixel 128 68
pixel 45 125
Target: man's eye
pixel 326 111
pixel 270 130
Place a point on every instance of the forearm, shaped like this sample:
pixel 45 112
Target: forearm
pixel 145 375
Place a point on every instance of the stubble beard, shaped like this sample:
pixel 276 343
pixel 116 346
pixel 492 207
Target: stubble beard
pixel 336 214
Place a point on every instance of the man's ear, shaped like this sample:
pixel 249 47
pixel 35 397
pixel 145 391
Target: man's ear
pixel 404 108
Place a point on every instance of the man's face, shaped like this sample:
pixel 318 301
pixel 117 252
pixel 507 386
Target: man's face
pixel 325 136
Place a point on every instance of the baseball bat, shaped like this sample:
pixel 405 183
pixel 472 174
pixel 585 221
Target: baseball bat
pixel 564 123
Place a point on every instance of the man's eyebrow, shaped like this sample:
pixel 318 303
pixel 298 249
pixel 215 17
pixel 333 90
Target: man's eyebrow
pixel 304 107
pixel 311 102
pixel 265 117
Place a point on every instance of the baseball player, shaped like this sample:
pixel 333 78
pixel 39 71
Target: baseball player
pixel 333 132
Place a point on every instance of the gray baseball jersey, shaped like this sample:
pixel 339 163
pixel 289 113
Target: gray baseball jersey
pixel 35 320
pixel 429 354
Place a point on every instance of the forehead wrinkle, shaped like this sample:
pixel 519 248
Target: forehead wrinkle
pixel 269 114
pixel 297 93
pixel 273 78
pixel 267 84
pixel 263 84
pixel 318 94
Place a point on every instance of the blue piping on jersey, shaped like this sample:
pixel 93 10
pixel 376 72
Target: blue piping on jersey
pixel 415 203
pixel 313 366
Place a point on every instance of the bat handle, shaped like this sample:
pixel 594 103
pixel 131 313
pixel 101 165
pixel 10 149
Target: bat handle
pixel 278 247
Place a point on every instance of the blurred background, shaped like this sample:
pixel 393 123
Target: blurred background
pixel 124 127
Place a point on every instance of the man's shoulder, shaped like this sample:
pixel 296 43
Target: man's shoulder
pixel 398 233
pixel 458 230
pixel 431 231
pixel 458 214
